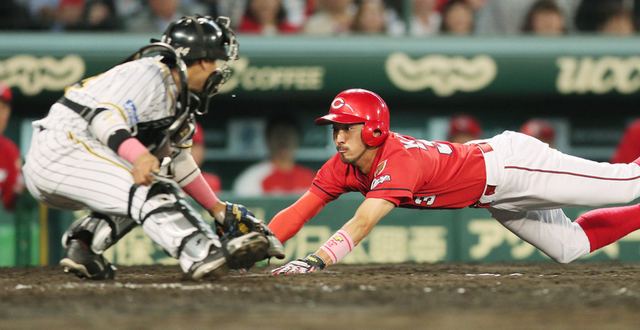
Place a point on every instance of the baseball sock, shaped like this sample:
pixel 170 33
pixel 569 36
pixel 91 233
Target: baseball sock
pixel 607 225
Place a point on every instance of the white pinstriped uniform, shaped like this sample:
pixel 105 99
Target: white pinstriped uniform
pixel 68 168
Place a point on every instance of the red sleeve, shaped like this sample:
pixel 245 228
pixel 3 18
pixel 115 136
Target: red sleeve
pixel 629 147
pixel 289 221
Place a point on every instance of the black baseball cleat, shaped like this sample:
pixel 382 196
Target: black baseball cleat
pixel 244 251
pixel 81 261
pixel 212 267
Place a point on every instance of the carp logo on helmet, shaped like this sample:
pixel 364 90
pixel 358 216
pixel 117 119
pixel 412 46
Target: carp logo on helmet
pixel 339 103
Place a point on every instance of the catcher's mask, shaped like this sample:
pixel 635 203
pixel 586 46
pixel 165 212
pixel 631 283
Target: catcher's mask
pixel 201 38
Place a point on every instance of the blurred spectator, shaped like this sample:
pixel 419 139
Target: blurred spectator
pixel 541 130
pixel 618 23
pixel 475 4
pixel 508 16
pixel 157 17
pixel 608 17
pixel 370 18
pixel 298 11
pixel 457 18
pixel 426 19
pixel 125 9
pixel 544 18
pixel 233 9
pixel 266 17
pixel 279 174
pixel 11 184
pixel 333 17
pixel 198 151
pixel 464 128
pixel 87 15
pixel 15 16
pixel 628 148
pixel 44 12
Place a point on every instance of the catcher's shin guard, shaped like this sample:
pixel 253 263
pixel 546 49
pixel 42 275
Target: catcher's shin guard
pixel 168 219
pixel 98 231
pixel 85 241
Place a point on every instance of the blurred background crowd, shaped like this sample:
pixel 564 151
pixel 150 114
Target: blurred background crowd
pixel 419 18
pixel 280 172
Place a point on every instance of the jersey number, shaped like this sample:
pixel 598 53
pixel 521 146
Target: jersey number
pixel 427 200
pixel 444 149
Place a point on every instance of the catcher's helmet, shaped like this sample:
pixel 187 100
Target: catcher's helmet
pixel 360 106
pixel 201 38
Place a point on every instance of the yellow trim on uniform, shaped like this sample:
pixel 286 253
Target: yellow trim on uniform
pixel 95 154
pixel 117 108
pixel 186 147
pixel 81 84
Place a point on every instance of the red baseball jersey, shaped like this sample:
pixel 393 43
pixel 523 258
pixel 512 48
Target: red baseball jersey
pixel 10 173
pixel 410 173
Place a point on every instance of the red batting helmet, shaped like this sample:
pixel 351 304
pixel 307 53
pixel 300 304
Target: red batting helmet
pixel 5 93
pixel 464 124
pixel 540 129
pixel 360 106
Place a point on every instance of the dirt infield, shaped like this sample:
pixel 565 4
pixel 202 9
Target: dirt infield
pixel 387 296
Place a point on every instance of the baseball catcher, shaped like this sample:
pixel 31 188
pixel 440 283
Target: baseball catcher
pixel 102 145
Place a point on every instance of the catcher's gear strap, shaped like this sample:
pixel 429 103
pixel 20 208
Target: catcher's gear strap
pixel 290 220
pixel 338 246
pixel 201 192
pixel 86 112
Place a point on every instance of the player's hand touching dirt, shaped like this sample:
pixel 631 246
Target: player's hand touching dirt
pixel 301 266
pixel 144 166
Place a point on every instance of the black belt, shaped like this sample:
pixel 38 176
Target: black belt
pixel 84 111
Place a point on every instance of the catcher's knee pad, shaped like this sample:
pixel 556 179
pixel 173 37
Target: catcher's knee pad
pixel 168 219
pixel 98 230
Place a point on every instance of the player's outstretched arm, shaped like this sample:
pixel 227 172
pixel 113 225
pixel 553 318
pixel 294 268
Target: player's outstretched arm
pixel 290 220
pixel 343 241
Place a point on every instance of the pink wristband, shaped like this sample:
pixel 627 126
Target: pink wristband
pixel 338 246
pixel 130 149
pixel 201 192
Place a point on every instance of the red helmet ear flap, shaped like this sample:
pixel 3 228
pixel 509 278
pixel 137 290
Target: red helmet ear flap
pixel 368 133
